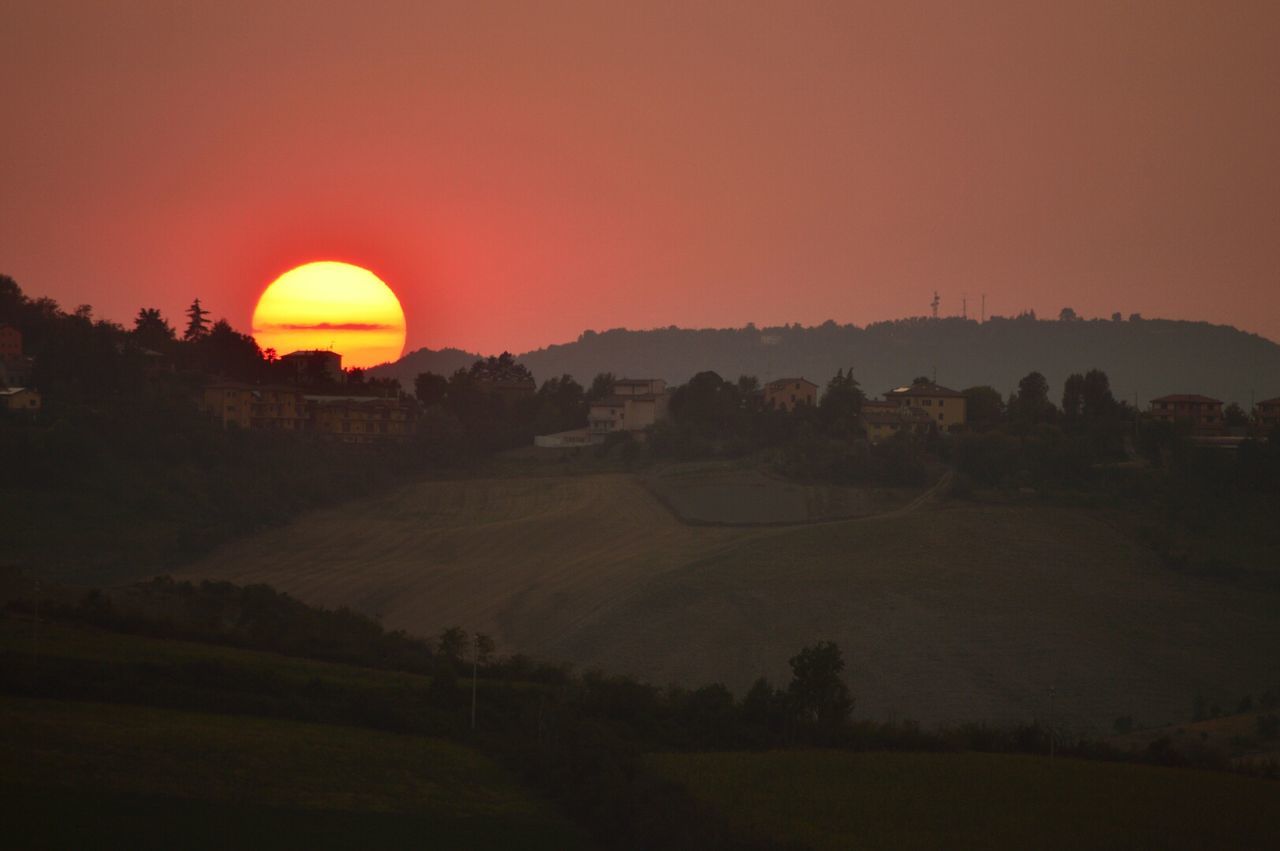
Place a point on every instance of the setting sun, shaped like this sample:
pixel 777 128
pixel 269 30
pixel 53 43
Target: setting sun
pixel 334 306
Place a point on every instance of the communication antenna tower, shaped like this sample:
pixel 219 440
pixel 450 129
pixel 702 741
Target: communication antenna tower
pixel 934 304
pixel 984 307
pixel 964 305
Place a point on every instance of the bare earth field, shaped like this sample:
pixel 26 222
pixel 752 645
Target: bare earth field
pixel 727 494
pixel 946 612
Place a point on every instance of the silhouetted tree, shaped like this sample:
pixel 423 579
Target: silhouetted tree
pixel 197 326
pixel 1097 401
pixel 452 643
pixel 841 403
pixel 601 386
pixel 1073 397
pixel 984 406
pixel 1030 404
pixel 817 693
pixel 151 330
pixel 1067 315
pixel 430 388
pixel 1234 416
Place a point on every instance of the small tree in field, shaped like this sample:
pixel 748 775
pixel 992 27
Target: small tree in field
pixel 817 693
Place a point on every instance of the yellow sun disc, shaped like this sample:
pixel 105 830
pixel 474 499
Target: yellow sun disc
pixel 331 306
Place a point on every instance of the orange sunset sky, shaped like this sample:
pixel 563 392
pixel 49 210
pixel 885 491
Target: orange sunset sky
pixel 519 172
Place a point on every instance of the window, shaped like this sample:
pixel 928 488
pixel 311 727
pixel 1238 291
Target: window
pixel 941 402
pixel 928 403
pixel 940 415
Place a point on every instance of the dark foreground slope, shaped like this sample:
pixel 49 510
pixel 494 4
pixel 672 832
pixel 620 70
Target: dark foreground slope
pixel 1144 357
pixel 832 800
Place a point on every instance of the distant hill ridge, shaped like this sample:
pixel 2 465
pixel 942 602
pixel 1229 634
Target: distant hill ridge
pixel 1146 357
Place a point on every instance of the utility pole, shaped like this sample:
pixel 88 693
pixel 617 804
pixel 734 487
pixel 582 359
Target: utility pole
pixel 934 304
pixel 475 664
pixel 984 308
pixel 1052 692
pixel 964 305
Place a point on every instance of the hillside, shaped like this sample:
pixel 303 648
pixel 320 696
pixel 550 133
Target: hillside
pixel 946 614
pixel 830 800
pixel 196 780
pixel 1144 357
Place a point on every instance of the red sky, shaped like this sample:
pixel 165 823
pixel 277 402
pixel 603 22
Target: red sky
pixel 521 172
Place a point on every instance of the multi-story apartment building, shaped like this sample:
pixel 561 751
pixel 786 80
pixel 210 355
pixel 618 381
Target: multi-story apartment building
pixel 1267 413
pixel 247 406
pixel 360 419
pixel 352 419
pixel 1203 413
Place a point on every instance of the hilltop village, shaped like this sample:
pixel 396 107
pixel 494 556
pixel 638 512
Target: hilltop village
pixel 310 391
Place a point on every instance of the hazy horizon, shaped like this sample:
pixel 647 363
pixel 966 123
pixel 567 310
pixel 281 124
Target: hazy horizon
pixel 520 174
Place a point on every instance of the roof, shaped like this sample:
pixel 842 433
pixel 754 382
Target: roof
pixel 1275 401
pixel 310 353
pixel 621 401
pixel 930 389
pixel 778 382
pixel 14 391
pixel 1187 397
pixel 636 381
pixel 328 399
pixel 899 415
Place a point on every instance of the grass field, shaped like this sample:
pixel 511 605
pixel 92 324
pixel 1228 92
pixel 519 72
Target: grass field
pixel 951 612
pixel 143 777
pixel 727 493
pixel 833 800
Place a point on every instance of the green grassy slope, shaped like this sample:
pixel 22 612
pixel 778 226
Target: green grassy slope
pixel 145 777
pixel 833 800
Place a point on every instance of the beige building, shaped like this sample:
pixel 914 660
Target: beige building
pixel 1202 412
pixel 787 394
pixel 634 405
pixel 351 419
pixel 1267 413
pixel 10 341
pixel 360 419
pixel 247 406
pixel 944 406
pixel 882 419
pixel 20 400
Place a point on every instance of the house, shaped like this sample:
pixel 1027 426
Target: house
pixel 20 400
pixel 313 364
pixel 787 394
pixel 352 419
pixel 945 407
pixel 1203 413
pixel 1267 414
pixel 247 406
pixel 360 419
pixel 10 342
pixel 634 405
pixel 15 368
pixel 882 420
